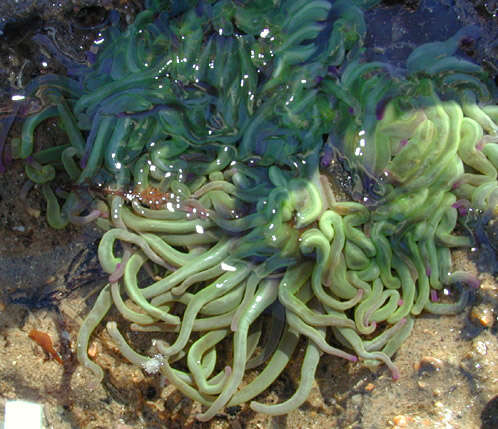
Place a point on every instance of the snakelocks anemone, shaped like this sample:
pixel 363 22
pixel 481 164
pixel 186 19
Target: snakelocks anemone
pixel 205 140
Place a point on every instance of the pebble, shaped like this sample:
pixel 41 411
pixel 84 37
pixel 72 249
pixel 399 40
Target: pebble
pixel 483 315
pixel 421 384
pixel 400 421
pixel 356 400
pixel 315 398
pixel 369 387
pixel 480 347
pixel 428 363
pixel 437 392
pixel 93 350
pixel 33 212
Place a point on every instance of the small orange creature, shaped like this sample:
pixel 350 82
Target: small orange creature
pixel 44 340
pixel 150 197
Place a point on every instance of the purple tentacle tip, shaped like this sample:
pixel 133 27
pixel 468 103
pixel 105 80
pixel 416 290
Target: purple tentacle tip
pixel 326 157
pixel 381 108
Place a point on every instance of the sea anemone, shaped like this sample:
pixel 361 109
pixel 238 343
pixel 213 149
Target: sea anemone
pixel 204 139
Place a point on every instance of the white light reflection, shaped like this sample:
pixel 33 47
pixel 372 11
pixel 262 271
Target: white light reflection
pixel 264 33
pixel 199 229
pixel 226 267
